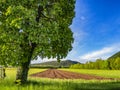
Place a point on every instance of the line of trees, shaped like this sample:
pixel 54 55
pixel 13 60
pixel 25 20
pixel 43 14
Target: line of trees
pixel 112 64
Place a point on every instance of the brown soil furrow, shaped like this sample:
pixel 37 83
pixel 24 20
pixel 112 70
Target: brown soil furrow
pixel 50 74
pixel 71 75
pixel 57 75
pixel 62 75
pixel 83 76
pixel 74 75
pixel 42 74
pixel 54 73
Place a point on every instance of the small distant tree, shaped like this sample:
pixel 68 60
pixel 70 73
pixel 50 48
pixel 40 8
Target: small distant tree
pixel 32 28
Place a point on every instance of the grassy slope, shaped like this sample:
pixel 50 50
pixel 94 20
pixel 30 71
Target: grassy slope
pixel 57 84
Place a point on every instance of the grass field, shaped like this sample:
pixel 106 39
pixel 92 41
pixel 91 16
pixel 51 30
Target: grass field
pixel 104 73
pixel 59 84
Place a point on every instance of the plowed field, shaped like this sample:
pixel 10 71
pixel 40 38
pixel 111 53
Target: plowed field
pixel 54 73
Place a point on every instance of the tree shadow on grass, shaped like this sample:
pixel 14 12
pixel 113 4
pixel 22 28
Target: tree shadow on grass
pixel 97 86
pixel 53 85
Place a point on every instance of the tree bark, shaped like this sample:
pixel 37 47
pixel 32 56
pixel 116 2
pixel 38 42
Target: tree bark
pixel 22 71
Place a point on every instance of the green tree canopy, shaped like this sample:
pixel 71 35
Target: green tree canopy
pixel 50 34
pixel 32 28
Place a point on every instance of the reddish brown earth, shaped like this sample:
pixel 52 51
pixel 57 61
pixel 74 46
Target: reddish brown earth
pixel 54 73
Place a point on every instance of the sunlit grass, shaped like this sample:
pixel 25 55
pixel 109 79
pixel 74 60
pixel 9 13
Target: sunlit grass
pixel 35 83
pixel 104 73
pixel 32 71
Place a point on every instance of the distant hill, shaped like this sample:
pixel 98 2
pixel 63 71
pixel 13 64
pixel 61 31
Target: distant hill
pixel 56 64
pixel 114 56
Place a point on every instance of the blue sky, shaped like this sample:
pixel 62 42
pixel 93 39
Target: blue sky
pixel 96 28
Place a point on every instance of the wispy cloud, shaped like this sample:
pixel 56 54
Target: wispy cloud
pixel 40 60
pixel 78 37
pixel 103 53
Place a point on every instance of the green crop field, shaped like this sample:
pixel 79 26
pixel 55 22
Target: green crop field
pixel 36 83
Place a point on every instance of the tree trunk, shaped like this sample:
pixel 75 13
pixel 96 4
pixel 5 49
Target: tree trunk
pixel 22 71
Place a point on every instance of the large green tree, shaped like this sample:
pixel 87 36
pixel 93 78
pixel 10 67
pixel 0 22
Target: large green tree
pixel 32 28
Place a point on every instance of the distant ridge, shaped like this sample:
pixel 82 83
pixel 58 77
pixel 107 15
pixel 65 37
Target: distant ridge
pixel 66 63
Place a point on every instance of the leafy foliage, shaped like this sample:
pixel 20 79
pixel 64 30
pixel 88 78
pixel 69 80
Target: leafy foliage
pixel 32 28
pixel 98 64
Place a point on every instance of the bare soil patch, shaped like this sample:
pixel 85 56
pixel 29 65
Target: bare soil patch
pixel 54 73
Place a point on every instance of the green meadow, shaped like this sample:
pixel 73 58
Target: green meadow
pixel 35 83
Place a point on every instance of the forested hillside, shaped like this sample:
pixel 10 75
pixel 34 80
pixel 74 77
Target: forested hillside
pixel 116 55
pixel 114 61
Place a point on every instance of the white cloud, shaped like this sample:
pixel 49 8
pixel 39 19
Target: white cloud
pixel 103 53
pixel 39 60
pixel 91 56
pixel 78 37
